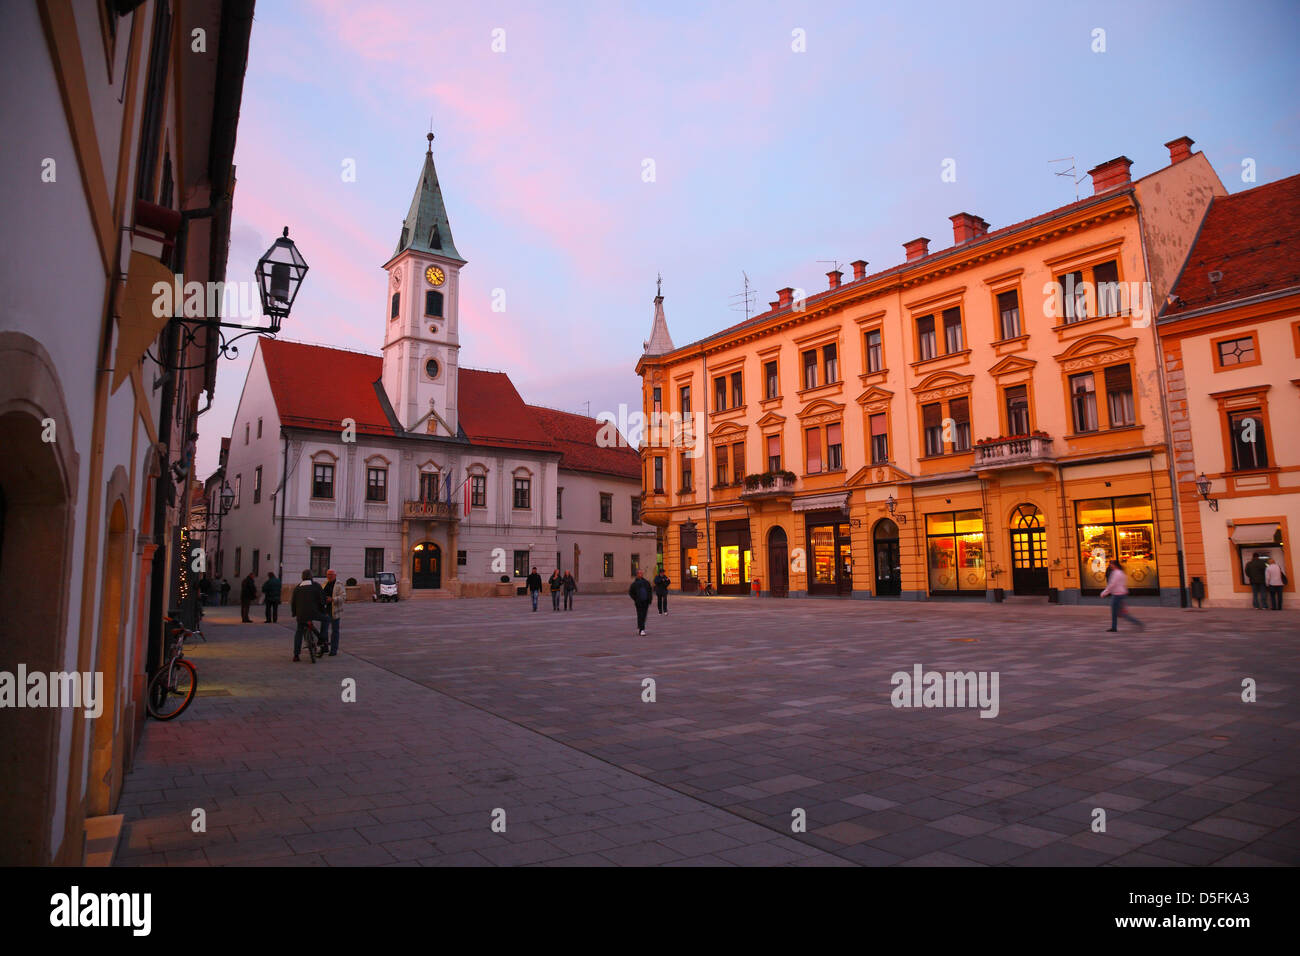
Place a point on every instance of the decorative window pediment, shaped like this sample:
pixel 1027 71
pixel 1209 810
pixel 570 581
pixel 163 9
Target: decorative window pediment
pixel 1012 365
pixel 821 407
pixel 942 385
pixel 1096 350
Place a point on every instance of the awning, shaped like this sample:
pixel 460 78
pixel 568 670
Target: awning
pixel 1254 534
pixel 138 327
pixel 832 502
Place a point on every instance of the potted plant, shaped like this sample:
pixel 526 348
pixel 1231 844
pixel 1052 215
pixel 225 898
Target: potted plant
pixel 353 591
pixel 504 588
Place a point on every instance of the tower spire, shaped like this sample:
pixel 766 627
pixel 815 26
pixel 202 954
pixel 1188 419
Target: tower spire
pixel 426 227
pixel 660 341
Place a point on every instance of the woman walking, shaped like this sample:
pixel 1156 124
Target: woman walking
pixel 556 582
pixel 1117 590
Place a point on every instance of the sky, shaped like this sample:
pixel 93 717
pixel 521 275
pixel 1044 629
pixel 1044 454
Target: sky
pixel 585 148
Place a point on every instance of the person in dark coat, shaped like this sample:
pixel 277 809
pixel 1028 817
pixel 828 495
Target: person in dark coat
pixel 307 605
pixel 662 583
pixel 225 591
pixel 570 585
pixel 1256 568
pixel 534 583
pixel 271 595
pixel 556 582
pixel 640 593
pixel 205 590
pixel 247 595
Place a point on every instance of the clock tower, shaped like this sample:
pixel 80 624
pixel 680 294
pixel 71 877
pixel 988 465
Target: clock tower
pixel 422 331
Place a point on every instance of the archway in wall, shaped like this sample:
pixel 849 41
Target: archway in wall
pixel 778 562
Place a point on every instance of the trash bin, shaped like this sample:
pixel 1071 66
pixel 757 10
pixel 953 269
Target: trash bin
pixel 1198 591
pixel 1053 596
pixel 758 588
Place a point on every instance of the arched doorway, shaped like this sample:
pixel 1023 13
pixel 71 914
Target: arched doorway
pixel 778 563
pixel 889 571
pixel 105 781
pixel 1028 551
pixel 426 566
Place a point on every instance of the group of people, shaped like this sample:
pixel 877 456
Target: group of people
pixel 559 583
pixel 311 604
pixel 211 593
pixel 1266 582
pixel 640 592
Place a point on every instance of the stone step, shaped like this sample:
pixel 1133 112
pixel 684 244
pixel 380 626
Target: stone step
pixel 430 594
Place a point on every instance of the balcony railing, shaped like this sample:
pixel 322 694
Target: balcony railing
pixel 429 509
pixel 770 484
pixel 1011 452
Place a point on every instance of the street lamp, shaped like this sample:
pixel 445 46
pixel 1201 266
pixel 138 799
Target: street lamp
pixel 279 275
pixel 227 498
pixel 891 504
pixel 1203 486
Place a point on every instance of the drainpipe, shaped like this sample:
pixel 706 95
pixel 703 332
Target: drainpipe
pixel 704 403
pixel 283 493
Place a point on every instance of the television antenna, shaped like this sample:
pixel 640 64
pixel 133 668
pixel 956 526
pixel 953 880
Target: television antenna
pixel 1069 172
pixel 744 301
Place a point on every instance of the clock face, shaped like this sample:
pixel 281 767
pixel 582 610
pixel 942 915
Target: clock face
pixel 435 275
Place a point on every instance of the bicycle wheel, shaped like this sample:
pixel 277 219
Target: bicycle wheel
pixel 172 689
pixel 312 648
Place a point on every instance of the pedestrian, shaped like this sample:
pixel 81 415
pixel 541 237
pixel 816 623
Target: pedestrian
pixel 271 596
pixel 1275 580
pixel 534 587
pixel 205 590
pixel 640 592
pixel 556 582
pixel 225 591
pixel 570 585
pixel 306 605
pixel 335 596
pixel 661 589
pixel 1255 569
pixel 1117 590
pixel 247 595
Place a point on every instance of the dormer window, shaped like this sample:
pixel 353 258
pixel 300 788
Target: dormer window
pixel 435 238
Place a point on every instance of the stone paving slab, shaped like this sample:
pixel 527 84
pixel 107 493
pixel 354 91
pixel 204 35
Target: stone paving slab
pixel 763 707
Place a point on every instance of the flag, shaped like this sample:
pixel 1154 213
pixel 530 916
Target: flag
pixel 465 495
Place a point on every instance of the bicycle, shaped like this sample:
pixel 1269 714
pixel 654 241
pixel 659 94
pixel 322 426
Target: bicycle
pixel 174 686
pixel 315 643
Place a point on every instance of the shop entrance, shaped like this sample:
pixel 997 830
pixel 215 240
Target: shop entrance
pixel 778 563
pixel 830 555
pixel 734 556
pixel 1028 551
pixel 426 566
pixel 889 571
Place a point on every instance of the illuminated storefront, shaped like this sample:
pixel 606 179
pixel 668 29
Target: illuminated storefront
pixel 734 557
pixel 690 555
pixel 955 552
pixel 1117 529
pixel 830 555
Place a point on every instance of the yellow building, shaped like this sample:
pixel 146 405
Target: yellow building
pixel 979 420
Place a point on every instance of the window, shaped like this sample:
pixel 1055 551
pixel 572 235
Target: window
pixel 720 466
pixel 1119 396
pixel 523 493
pixel 559 503
pixel 932 426
pixel 657 398
pixel 1083 399
pixel 875 356
pixel 720 393
pixel 769 380
pixel 377 484
pixel 374 561
pixel 813 450
pixel 259 428
pixel 925 343
pixel 478 491
pixel 428 487
pixel 684 394
pixel 608 565
pixel 1106 278
pixel 431 368
pixel 737 390
pixel 810 369
pixel 1116 529
pixel 433 303
pixel 1240 351
pixel 320 562
pixel 959 412
pixel 257 484
pixel 245 433
pixel 239 483
pixel 952 330
pixel 636 509
pixel 322 480
pixel 738 462
pixel 1009 314
pixel 830 363
pixel 239 559
pixel 879 439
pixel 954 543
pixel 1246 429
pixel 521 564
pixel 1074 298
pixel 1017 403
pixel 396 300
pixel 773 452
pixel 659 475
pixel 257 564
pixel 607 505
pixel 688 478
pixel 462 558
pixel 834 448
pixel 636 564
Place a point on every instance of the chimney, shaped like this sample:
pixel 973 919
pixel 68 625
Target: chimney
pixel 859 269
pixel 966 227
pixel 1110 175
pixel 784 297
pixel 771 306
pixel 1180 149
pixel 917 248
pixel 835 275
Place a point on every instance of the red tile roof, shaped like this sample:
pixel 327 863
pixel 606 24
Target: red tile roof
pixel 576 437
pixel 492 413
pixel 1252 238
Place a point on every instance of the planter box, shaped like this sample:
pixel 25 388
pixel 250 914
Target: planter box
pixel 505 590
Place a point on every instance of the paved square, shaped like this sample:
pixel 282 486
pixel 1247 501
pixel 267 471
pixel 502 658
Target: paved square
pixel 762 708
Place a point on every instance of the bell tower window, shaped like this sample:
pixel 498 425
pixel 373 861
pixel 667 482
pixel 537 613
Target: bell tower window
pixel 433 303
pixel 397 299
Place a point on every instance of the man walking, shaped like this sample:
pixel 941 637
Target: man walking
pixel 570 585
pixel 640 592
pixel 335 596
pixel 662 583
pixel 534 587
pixel 1117 589
pixel 205 590
pixel 1275 579
pixel 247 595
pixel 556 582
pixel 225 591
pixel 271 596
pixel 1255 569
pixel 306 605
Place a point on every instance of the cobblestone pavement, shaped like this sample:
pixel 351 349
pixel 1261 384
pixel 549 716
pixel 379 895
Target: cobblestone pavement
pixel 763 708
